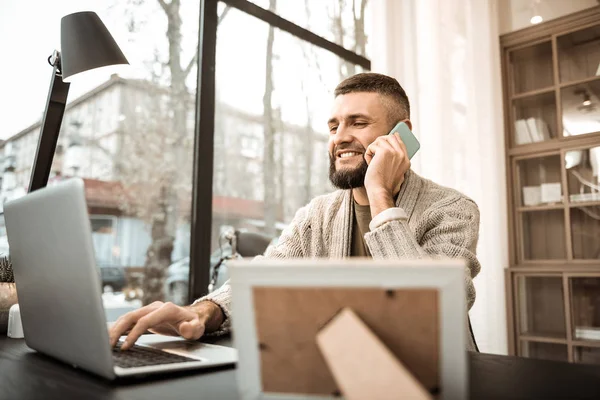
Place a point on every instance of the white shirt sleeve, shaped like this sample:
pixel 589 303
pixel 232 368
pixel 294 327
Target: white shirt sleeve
pixel 391 214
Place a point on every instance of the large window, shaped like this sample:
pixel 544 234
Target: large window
pixel 273 88
pixel 344 22
pixel 273 93
pixel 130 137
pixel 168 167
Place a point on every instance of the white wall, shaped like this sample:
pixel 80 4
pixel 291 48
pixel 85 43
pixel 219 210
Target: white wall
pixel 516 14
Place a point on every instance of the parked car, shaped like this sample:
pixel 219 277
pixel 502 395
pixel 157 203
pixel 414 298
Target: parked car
pixel 112 277
pixel 176 282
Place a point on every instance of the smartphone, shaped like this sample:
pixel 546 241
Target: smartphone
pixel 409 139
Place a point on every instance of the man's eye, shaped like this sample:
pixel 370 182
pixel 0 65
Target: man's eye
pixel 332 129
pixel 360 124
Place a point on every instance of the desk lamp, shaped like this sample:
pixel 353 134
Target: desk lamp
pixel 85 44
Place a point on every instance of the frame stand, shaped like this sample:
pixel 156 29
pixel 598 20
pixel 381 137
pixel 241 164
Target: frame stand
pixel 363 367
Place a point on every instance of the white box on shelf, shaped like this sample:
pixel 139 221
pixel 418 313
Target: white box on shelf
pixel 551 192
pixel 532 195
pixel 534 131
pixel 543 129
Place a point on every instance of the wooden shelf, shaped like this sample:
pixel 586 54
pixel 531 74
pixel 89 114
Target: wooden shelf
pixel 585 343
pixel 546 246
pixel 556 269
pixel 541 208
pixel 533 93
pixel 559 340
pixel 547 261
pixel 542 269
pixel 584 269
pixel 543 339
pixel 576 142
pixel 584 204
pixel 580 81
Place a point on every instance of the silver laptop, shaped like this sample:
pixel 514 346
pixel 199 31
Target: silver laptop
pixel 60 298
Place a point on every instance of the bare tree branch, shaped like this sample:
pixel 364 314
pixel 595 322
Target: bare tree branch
pixel 360 38
pixel 164 5
pixel 223 14
pixel 188 68
pixel 194 59
pixel 270 195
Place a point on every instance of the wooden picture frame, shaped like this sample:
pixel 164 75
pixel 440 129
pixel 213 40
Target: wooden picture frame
pixel 280 306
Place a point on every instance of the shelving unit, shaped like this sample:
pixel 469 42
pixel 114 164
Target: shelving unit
pixel 551 82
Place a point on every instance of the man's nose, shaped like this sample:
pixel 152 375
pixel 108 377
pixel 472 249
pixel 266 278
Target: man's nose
pixel 341 136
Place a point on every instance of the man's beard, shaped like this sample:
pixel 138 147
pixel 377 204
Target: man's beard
pixel 347 178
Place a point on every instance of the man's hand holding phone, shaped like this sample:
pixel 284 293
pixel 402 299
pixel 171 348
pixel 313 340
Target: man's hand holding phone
pixel 389 160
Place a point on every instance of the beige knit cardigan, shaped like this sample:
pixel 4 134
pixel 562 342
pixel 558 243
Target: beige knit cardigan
pixel 442 222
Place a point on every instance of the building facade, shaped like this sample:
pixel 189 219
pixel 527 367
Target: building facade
pixel 118 137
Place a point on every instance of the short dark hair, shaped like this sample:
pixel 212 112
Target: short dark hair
pixel 370 82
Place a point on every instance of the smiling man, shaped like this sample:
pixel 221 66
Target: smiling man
pixel 382 210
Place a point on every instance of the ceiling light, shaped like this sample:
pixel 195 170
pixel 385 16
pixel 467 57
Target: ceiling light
pixel 586 106
pixel 536 19
pixel 587 101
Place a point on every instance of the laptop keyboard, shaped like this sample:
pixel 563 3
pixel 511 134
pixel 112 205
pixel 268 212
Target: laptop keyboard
pixel 140 356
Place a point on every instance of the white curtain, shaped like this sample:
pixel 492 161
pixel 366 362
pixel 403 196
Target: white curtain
pixel 445 53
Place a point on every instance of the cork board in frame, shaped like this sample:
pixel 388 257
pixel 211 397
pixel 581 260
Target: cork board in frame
pixel 263 292
pixel 289 318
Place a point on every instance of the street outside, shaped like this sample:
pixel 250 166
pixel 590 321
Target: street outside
pixel 115 305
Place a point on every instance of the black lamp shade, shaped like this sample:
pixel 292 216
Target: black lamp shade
pixel 86 44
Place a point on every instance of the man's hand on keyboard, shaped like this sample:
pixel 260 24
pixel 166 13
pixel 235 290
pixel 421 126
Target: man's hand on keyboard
pixel 190 322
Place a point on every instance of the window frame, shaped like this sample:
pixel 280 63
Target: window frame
pixel 202 194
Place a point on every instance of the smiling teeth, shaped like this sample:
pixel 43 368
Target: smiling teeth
pixel 351 154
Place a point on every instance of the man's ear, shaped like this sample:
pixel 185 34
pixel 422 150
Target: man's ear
pixel 408 123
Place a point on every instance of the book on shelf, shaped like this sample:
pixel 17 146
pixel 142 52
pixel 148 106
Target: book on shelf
pixel 543 129
pixel 579 197
pixel 587 333
pixel 521 132
pixel 531 130
pixel 538 129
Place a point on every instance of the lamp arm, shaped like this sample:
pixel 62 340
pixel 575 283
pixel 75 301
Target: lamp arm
pixel 51 121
